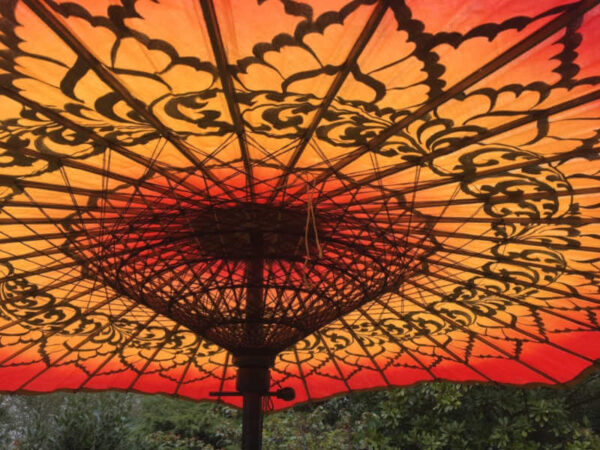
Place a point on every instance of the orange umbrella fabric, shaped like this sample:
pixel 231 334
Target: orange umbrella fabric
pixel 372 193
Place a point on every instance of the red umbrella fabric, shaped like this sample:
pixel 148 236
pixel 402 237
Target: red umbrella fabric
pixel 367 193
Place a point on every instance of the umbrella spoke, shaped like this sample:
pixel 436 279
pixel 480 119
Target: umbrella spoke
pixel 218 48
pixel 111 80
pixel 498 62
pixel 532 116
pixel 509 299
pixel 541 339
pixel 351 60
pixel 347 195
pixel 483 340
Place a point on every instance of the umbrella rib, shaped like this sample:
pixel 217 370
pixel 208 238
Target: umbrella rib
pixel 510 54
pixel 532 116
pixel 16 276
pixel 76 347
pixel 542 340
pixel 56 25
pixel 64 302
pixel 168 335
pixel 396 340
pixel 61 188
pixel 301 372
pixel 120 348
pixel 582 151
pixel 222 382
pixel 506 297
pixel 474 335
pixel 511 241
pixel 334 360
pixel 461 251
pixel 49 287
pixel 92 135
pixel 359 45
pixel 14 220
pixel 219 52
pixel 364 349
pixel 188 365
pixel 74 262
pixel 34 237
pixel 507 198
pixel 134 211
pixel 73 200
pixel 79 165
pixel 55 331
pixel 455 265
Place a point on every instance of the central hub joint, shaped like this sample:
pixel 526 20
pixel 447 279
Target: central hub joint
pixel 281 231
pixel 253 373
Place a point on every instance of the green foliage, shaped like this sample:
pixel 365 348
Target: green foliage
pixel 445 416
pixel 72 421
pixel 428 416
pixel 167 423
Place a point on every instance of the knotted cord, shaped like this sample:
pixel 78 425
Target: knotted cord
pixel 310 219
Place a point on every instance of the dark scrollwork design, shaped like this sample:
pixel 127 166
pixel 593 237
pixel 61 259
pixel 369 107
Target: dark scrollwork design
pixel 32 309
pixel 508 288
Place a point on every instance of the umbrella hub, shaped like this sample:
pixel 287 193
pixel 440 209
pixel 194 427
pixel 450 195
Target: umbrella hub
pixel 229 232
pixel 251 275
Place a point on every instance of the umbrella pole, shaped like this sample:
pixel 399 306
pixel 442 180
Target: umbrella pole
pixel 252 421
pixel 253 377
pixel 252 382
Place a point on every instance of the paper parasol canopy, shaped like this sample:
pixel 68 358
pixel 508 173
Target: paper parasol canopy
pixel 369 193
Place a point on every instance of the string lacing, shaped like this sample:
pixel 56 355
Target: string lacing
pixel 310 219
pixel 267 403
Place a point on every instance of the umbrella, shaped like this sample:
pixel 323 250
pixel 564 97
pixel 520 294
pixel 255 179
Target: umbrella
pixel 249 198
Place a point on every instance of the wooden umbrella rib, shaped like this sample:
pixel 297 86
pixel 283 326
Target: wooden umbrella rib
pixel 508 279
pixel 73 263
pixel 350 62
pixel 507 240
pixel 585 150
pixel 32 184
pixel 44 290
pixel 172 238
pixel 133 211
pixel 333 359
pixel 55 24
pixel 168 335
pixel 510 299
pixel 49 307
pixel 52 333
pixel 84 341
pixel 301 374
pixel 499 260
pixel 510 54
pixel 67 123
pixel 490 200
pixel 368 354
pixel 228 360
pixel 531 117
pixel 396 340
pixel 58 235
pixel 218 48
pixel 188 365
pixel 512 326
pixel 79 165
pixel 121 347
pixel 437 344
pixel 481 339
pixel 94 193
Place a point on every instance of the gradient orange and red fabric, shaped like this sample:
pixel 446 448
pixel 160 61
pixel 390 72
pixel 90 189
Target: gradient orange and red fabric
pixel 424 176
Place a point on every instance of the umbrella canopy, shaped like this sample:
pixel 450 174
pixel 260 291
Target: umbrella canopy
pixel 361 193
